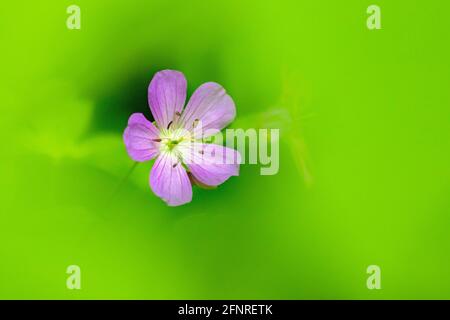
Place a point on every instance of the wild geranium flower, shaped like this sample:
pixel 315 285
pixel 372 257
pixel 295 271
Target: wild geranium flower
pixel 176 137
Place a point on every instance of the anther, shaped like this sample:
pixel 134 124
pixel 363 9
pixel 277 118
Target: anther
pixel 168 126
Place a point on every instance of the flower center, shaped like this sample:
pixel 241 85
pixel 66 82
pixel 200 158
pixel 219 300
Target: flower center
pixel 172 143
pixel 172 138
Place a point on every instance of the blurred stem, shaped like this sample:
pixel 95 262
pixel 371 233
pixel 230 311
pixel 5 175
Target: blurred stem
pixel 298 148
pixel 124 179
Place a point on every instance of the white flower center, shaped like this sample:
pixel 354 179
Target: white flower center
pixel 172 140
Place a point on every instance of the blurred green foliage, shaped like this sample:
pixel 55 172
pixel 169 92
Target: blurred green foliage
pixel 364 173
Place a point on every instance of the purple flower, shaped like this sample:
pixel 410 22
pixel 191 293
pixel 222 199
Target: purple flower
pixel 175 139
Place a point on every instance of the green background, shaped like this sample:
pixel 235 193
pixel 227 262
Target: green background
pixel 364 152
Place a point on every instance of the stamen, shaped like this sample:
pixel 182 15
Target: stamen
pixel 173 166
pixel 176 117
pixel 168 126
pixel 195 123
pixel 156 140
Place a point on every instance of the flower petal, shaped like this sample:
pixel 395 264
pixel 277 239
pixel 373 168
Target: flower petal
pixel 211 164
pixel 166 96
pixel 210 105
pixel 169 180
pixel 139 136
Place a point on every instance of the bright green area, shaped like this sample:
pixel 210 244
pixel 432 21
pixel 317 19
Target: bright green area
pixel 364 175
